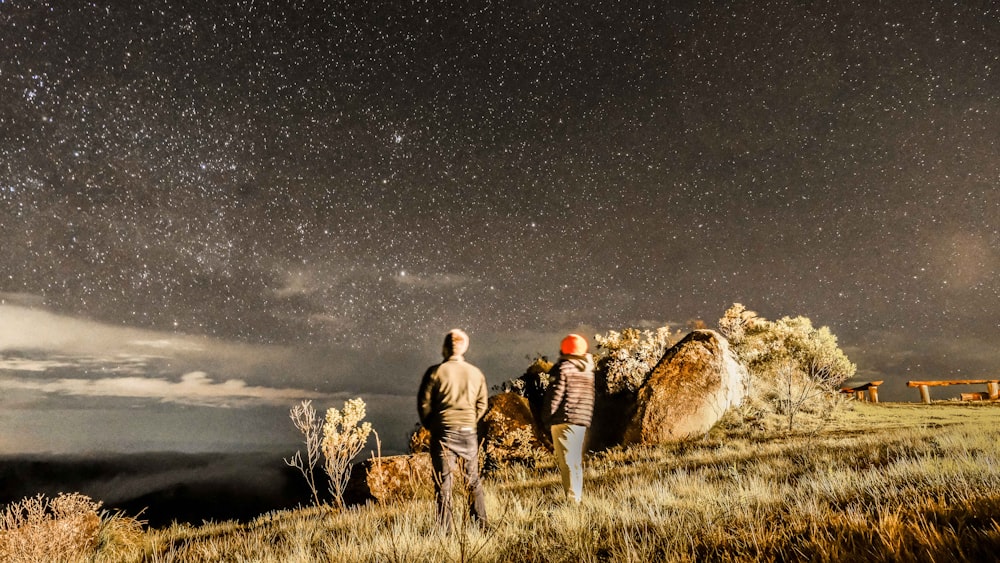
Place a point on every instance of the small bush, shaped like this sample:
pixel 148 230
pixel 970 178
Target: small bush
pixel 41 529
pixel 343 440
pixel 340 439
pixel 121 538
pixel 624 359
pixel 531 385
pixel 516 446
pixel 304 418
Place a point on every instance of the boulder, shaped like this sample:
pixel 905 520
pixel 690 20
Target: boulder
pixel 506 412
pixel 390 478
pixel 509 433
pixel 688 391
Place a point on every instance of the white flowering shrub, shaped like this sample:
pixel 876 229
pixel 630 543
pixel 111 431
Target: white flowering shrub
pixel 765 346
pixel 344 436
pixel 339 439
pixel 624 359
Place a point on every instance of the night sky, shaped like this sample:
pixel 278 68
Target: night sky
pixel 209 210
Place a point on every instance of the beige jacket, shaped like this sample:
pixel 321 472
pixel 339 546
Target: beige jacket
pixel 452 395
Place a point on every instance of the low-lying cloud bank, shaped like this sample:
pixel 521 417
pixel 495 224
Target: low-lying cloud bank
pixel 194 388
pixel 50 354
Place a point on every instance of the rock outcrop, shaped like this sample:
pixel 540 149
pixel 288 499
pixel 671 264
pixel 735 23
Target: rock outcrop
pixel 509 432
pixel 391 478
pixel 688 391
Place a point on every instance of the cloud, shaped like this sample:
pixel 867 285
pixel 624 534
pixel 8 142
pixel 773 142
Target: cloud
pixel 35 365
pixel 298 283
pixel 23 299
pixel 26 328
pixel 56 355
pixel 40 341
pixel 194 388
pixel 431 281
pixel 167 344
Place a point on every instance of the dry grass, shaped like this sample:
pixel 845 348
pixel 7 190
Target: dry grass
pixel 880 483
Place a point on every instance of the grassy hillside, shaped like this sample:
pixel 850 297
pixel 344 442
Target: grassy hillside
pixel 890 482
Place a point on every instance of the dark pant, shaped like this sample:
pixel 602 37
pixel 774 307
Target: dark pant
pixel 447 448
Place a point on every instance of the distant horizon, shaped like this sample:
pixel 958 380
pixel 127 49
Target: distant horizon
pixel 73 386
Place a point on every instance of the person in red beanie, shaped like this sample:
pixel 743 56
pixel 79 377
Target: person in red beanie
pixel 451 400
pixel 568 410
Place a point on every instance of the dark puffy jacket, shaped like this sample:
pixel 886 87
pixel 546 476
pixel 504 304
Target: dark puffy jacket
pixel 569 398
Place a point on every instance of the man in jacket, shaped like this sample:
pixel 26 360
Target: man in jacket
pixel 569 408
pixel 451 400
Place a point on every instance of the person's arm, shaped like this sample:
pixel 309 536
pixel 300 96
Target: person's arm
pixel 482 399
pixel 425 398
pixel 555 392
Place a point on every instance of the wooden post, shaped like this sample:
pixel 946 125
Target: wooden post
pixel 925 394
pixel 873 393
pixel 861 395
pixel 994 390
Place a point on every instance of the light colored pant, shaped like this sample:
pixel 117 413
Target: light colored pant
pixel 568 442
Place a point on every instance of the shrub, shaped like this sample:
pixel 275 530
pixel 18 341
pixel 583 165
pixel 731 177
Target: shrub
pixel 343 440
pixel 340 439
pixel 624 359
pixel 40 529
pixel 419 440
pixel 120 538
pixel 794 368
pixel 531 385
pixel 764 345
pixel 304 418
pixel 516 446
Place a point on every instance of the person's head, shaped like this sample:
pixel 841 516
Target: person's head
pixel 573 345
pixel 456 342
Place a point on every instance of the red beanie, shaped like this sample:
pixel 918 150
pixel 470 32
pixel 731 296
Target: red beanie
pixel 573 345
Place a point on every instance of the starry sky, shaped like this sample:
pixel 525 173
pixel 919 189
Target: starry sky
pixel 209 210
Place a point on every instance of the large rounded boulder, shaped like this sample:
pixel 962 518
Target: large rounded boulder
pixel 688 391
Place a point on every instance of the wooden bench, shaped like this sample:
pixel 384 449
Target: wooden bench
pixel 859 392
pixel 992 387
